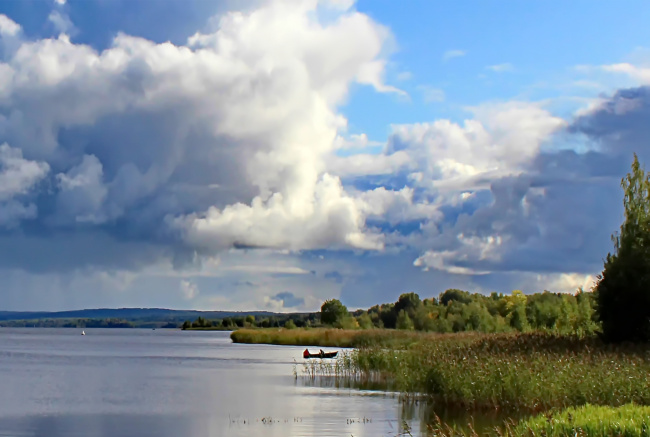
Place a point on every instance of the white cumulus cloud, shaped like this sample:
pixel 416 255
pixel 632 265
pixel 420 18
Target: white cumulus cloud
pixel 8 27
pixel 220 143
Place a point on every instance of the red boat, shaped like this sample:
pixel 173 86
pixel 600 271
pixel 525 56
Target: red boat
pixel 320 354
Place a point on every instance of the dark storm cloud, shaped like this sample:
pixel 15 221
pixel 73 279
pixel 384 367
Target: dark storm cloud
pixel 621 125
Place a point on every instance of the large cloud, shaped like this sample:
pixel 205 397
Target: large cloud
pixel 151 156
pixel 217 143
pixel 504 192
pixel 557 213
pixel 18 177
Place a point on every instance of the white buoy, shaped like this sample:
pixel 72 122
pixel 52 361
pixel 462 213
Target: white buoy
pixel 83 333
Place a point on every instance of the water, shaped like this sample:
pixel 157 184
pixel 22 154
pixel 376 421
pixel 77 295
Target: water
pixel 164 383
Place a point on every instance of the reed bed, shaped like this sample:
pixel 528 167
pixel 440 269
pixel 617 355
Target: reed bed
pixel 524 372
pixel 327 337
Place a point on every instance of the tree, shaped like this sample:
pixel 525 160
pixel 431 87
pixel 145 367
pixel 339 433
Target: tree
pixel 404 321
pixel 364 321
pixel 408 302
pixel 516 306
pixel 388 315
pixel 623 288
pixel 227 323
pixel 454 295
pixel 289 324
pixel 199 323
pixel 333 311
pixel 518 318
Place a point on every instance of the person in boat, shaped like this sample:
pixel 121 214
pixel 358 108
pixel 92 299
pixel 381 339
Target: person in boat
pixel 321 353
pixel 305 354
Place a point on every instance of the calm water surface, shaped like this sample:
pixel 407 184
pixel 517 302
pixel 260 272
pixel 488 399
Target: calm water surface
pixel 164 383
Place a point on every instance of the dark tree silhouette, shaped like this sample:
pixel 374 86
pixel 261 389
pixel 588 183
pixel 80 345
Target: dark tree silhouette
pixel 623 288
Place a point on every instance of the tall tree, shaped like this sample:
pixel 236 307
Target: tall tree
pixel 408 302
pixel 623 288
pixel 333 311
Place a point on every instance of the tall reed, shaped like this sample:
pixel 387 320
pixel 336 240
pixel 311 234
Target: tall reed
pixel 533 372
pixel 326 337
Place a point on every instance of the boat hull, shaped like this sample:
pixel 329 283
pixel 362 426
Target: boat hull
pixel 324 355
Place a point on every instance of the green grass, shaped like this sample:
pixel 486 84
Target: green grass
pixel 531 372
pixel 589 420
pixel 326 337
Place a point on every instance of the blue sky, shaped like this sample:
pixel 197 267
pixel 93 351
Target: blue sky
pixel 540 41
pixel 273 154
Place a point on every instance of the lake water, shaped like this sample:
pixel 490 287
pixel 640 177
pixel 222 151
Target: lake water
pixel 164 383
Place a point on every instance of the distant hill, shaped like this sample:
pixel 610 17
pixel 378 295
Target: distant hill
pixel 130 314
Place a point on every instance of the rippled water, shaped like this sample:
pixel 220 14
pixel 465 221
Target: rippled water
pixel 164 383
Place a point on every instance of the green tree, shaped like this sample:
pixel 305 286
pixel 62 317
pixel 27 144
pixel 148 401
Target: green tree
pixel 585 324
pixel 623 288
pixel 290 324
pixel 408 302
pixel 199 323
pixel 518 318
pixel 227 323
pixel 388 315
pixel 454 295
pixel 404 321
pixel 333 311
pixel 347 322
pixel 186 325
pixel 364 321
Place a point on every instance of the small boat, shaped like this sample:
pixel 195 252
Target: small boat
pixel 321 354
pixel 83 332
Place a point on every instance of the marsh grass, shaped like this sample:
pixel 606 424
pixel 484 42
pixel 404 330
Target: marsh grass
pixel 529 372
pixel 524 372
pixel 327 337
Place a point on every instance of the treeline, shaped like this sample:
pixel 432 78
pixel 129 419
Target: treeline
pixel 84 323
pixel 459 311
pixel 295 320
pixel 452 311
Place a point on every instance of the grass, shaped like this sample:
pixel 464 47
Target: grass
pixel 326 337
pixel 529 372
pixel 524 372
pixel 589 420
pixel 629 420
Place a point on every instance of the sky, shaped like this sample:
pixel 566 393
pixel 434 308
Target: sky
pixel 272 154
